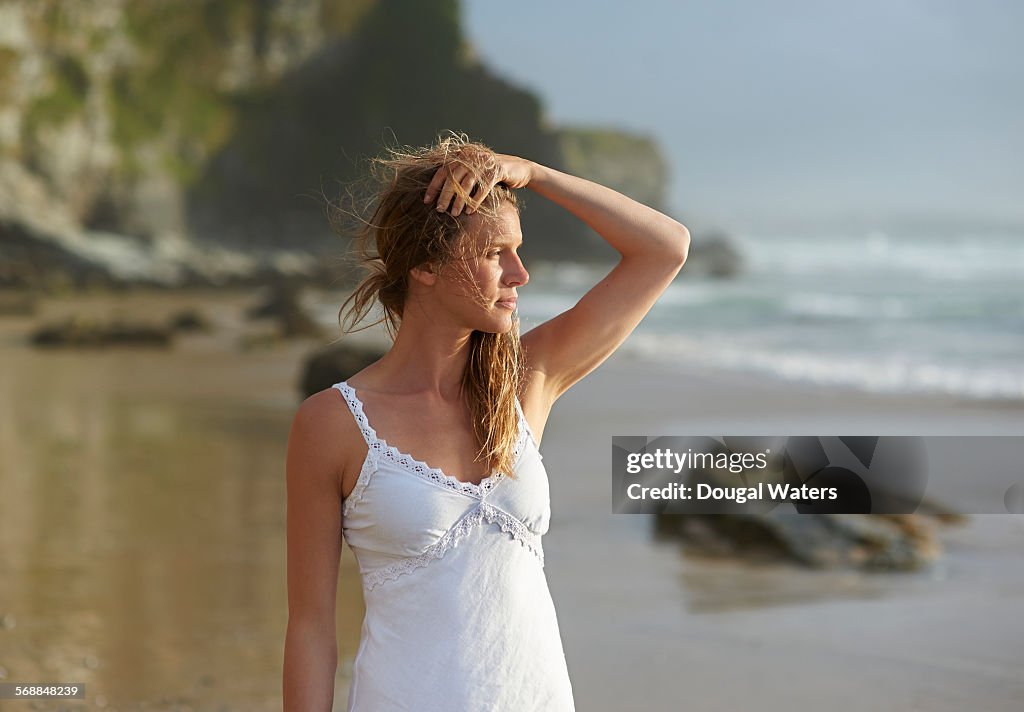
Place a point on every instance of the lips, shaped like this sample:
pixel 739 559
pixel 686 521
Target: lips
pixel 508 303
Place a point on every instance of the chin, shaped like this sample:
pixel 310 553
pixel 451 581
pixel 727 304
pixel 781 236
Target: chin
pixel 498 326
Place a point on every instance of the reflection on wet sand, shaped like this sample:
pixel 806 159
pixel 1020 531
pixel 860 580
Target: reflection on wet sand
pixel 143 523
pixel 142 514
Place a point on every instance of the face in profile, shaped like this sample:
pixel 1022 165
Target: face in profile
pixel 495 273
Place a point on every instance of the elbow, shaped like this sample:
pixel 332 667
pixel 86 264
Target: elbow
pixel 681 245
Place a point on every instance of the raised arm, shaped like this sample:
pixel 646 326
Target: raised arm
pixel 314 550
pixel 653 247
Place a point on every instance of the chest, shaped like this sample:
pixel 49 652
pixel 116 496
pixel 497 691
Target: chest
pixel 402 510
pixel 436 434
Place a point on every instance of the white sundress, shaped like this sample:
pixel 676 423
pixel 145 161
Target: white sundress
pixel 459 617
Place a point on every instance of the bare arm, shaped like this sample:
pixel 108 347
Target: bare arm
pixel 314 550
pixel 653 248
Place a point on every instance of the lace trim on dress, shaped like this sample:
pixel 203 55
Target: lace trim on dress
pixel 369 467
pixel 411 464
pixel 524 425
pixel 452 537
pixel 515 527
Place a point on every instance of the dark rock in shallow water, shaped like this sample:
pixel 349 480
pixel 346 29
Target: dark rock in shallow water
pixel 29 258
pixel 76 332
pixel 283 304
pixel 335 363
pixel 134 334
pixel 713 254
pixel 189 320
pixel 814 537
pixel 874 542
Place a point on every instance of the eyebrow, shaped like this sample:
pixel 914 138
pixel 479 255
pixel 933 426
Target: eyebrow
pixel 506 242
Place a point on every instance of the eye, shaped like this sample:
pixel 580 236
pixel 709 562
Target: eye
pixel 494 253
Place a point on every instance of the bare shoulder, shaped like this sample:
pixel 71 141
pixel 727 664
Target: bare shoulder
pixel 326 436
pixel 316 462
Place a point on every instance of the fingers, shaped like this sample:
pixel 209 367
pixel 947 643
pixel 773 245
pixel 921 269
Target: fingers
pixel 446 181
pixel 482 189
pixel 436 183
pixel 448 191
pixel 485 184
pixel 468 183
pixel 445 184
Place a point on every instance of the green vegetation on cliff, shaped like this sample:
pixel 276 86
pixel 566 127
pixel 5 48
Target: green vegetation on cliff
pixel 66 98
pixel 628 163
pixel 245 111
pixel 9 60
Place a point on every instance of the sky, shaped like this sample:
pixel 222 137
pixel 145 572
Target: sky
pixel 790 114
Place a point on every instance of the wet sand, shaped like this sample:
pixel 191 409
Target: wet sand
pixel 143 522
pixel 142 515
pixel 648 627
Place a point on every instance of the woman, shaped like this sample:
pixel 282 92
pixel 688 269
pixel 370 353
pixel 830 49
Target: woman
pixel 426 461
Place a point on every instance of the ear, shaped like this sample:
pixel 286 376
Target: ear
pixel 424 274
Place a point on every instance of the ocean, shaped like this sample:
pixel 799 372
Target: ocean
pixel 876 312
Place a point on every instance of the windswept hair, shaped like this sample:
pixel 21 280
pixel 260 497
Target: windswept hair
pixel 403 232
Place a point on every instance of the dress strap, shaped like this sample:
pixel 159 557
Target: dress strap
pixel 523 424
pixel 356 406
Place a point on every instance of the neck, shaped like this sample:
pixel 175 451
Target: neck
pixel 426 357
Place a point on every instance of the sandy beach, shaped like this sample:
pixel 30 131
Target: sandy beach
pixel 646 627
pixel 164 469
pixel 802 212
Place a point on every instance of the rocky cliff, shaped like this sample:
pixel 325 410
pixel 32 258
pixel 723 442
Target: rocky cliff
pixel 198 137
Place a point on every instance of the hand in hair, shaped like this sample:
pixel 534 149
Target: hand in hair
pixel 459 179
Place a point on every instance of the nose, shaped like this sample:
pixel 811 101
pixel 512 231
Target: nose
pixel 517 276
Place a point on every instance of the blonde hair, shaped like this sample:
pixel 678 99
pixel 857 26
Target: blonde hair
pixel 403 232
